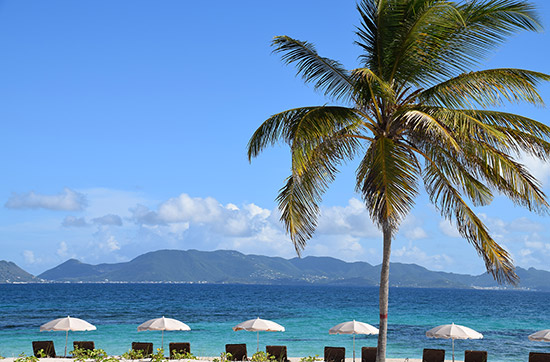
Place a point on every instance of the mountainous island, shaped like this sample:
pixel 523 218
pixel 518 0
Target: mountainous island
pixel 232 267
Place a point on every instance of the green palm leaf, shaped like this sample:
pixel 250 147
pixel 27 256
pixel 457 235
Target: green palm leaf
pixel 387 180
pixel 326 74
pixel 453 207
pixel 486 88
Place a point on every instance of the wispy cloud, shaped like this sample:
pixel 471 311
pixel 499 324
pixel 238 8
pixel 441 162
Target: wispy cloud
pixel 29 256
pixel 68 200
pixel 413 254
pixel 109 219
pixel 73 221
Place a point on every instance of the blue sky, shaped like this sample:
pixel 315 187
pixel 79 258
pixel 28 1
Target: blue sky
pixel 125 123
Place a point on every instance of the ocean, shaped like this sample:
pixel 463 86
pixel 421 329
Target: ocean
pixel 505 318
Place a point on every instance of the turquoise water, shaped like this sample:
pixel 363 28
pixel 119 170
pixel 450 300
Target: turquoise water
pixel 505 318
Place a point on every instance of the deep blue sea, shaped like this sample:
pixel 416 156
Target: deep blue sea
pixel 505 318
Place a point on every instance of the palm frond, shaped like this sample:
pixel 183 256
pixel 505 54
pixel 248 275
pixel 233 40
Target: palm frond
pixel 387 180
pixel 486 88
pixel 369 87
pixel 302 123
pixel 527 143
pixel 447 199
pixel 457 173
pixel 510 121
pixel 506 175
pixel 465 124
pixel 313 170
pixel 484 25
pixel 423 125
pixel 428 41
pixel 326 74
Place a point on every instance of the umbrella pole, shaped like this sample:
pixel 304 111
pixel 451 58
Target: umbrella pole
pixel 452 339
pixel 162 340
pixel 354 347
pixel 258 340
pixel 66 340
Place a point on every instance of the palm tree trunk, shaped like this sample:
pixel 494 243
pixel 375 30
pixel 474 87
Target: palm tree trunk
pixel 384 294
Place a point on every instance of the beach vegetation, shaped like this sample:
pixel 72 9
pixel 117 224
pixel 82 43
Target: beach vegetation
pixel 134 354
pixel 261 356
pixel 41 354
pixel 24 358
pixel 158 356
pixel 184 355
pixel 311 358
pixel 97 355
pixel 224 357
pixel 417 111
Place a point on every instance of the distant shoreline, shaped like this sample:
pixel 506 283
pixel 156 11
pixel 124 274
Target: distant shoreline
pixel 45 282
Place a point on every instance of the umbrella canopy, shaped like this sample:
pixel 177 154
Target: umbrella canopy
pixel 163 324
pixel 67 324
pixel 541 336
pixel 259 325
pixel 353 327
pixel 453 331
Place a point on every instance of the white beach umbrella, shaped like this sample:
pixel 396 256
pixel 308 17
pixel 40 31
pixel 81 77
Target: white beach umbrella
pixel 541 336
pixel 67 324
pixel 163 324
pixel 353 327
pixel 453 331
pixel 259 325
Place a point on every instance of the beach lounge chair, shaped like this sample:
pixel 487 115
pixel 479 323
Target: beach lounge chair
pixel 46 347
pixel 145 347
pixel 86 345
pixel 475 356
pixel 179 348
pixel 238 351
pixel 368 354
pixel 539 357
pixel 433 355
pixel 279 352
pixel 335 354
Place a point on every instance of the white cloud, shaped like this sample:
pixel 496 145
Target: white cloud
pixel 62 250
pixel 68 200
pixel 73 221
pixel 111 244
pixel 413 254
pixel 109 219
pixel 29 257
pixel 416 233
pixel 449 229
pixel 538 168
pixel 206 224
pixel 352 219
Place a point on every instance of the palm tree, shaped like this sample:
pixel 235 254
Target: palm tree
pixel 414 112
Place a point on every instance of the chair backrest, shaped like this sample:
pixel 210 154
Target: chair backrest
pixel 238 351
pixel 539 357
pixel 279 352
pixel 368 354
pixel 86 345
pixel 433 355
pixel 335 354
pixel 146 347
pixel 475 356
pixel 179 348
pixel 46 346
